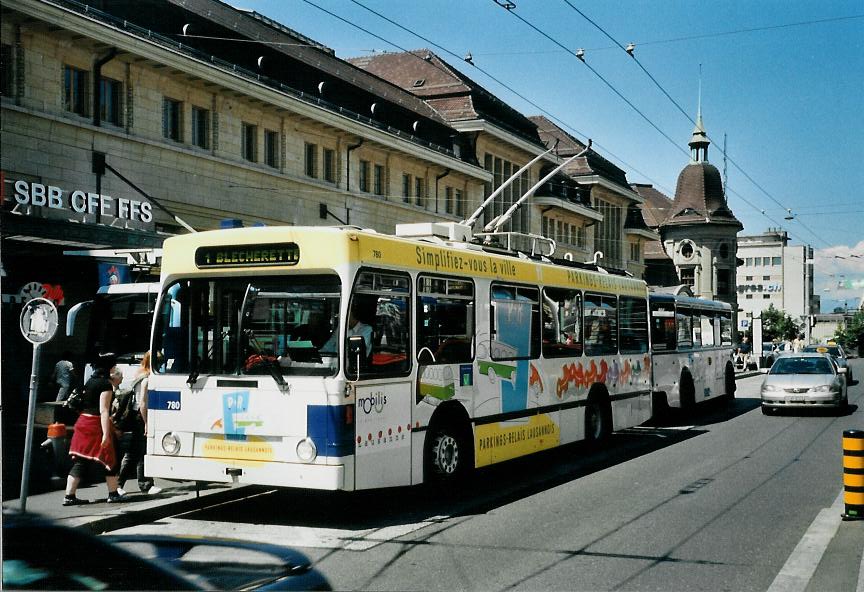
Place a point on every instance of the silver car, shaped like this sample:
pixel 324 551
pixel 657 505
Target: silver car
pixel 803 380
pixel 837 353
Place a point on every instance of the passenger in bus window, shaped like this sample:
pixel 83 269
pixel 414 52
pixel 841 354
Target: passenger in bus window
pixel 355 327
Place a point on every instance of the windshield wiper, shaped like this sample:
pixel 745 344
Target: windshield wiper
pixel 193 373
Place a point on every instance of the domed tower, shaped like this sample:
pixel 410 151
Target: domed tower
pixel 700 232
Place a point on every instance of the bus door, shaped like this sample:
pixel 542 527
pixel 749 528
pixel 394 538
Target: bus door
pixel 378 364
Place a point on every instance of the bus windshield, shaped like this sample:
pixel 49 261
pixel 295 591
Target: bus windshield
pixel 285 325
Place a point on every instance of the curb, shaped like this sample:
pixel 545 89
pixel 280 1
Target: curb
pixel 130 518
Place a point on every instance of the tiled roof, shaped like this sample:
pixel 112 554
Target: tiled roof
pixel 699 197
pixel 424 74
pixel 590 164
pixel 656 206
pixel 251 25
pixel 653 250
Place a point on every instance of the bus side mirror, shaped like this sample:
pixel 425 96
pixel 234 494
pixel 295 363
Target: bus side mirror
pixel 356 354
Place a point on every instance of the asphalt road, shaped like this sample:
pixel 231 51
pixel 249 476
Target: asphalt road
pixel 718 500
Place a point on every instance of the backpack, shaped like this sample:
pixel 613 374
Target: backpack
pixel 122 412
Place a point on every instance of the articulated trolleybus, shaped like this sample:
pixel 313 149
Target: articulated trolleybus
pixel 338 358
pixel 691 342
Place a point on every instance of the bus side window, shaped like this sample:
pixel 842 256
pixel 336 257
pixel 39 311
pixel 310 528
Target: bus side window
pixel 562 323
pixel 601 321
pixel 515 322
pixel 445 320
pixel 381 302
pixel 633 325
pixel 684 322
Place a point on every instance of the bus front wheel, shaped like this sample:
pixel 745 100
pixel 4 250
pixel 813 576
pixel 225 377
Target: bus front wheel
pixel 448 455
pixel 687 392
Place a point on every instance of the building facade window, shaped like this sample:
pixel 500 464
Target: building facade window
pixel 776 261
pixel 724 287
pixel 329 165
pixel 111 101
pixel 609 234
pixel 501 170
pixel 378 180
pixel 201 127
pixel 310 160
pixel 7 75
pixel 250 142
pixel 271 148
pixel 419 190
pixel 406 188
pixel 634 251
pixel 364 175
pixel 460 203
pixel 688 276
pixel 76 91
pixel 172 119
pixel 448 200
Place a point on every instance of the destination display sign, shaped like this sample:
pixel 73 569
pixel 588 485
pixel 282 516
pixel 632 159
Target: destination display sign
pixel 247 255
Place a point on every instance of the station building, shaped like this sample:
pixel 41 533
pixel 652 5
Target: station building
pixel 773 272
pixel 124 123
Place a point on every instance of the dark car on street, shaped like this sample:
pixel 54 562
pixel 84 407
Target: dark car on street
pixel 40 555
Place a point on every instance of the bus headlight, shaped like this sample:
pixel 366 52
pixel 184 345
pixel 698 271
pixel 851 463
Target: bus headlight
pixel 306 450
pixel 171 443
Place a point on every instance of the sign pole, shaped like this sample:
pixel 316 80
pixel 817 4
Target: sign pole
pixel 28 438
pixel 38 325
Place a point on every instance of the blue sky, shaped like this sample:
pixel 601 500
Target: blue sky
pixel 782 80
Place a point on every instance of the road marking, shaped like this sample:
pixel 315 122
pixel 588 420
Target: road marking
pixel 860 586
pixel 295 536
pixel 802 563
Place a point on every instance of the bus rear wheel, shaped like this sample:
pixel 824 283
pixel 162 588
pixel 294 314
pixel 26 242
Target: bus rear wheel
pixel 598 421
pixel 729 383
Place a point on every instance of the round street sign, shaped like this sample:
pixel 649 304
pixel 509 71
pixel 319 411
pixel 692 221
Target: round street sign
pixel 39 321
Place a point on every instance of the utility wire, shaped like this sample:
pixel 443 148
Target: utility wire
pixel 554 118
pixel 598 75
pixel 683 112
pixel 689 37
pixel 504 85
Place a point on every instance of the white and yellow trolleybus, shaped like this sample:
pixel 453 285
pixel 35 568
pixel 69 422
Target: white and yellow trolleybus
pixel 343 359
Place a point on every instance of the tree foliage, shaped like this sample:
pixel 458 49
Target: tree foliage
pixel 776 324
pixel 853 334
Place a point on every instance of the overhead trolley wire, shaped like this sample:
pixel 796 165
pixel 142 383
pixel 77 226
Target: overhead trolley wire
pixel 484 72
pixel 678 106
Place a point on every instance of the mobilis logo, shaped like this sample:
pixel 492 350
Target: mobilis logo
pixel 374 402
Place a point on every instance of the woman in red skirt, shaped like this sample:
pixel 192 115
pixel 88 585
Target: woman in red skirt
pixel 93 443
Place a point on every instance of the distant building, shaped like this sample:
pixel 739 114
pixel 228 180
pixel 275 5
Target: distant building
pixel 775 273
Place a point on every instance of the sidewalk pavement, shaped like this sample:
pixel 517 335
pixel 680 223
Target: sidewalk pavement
pixel 136 508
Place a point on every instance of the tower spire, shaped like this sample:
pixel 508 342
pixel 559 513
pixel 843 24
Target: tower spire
pixel 699 141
